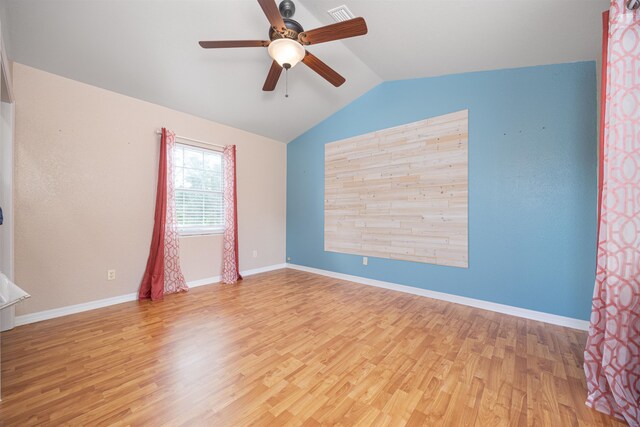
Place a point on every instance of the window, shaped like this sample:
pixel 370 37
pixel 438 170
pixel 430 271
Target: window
pixel 197 173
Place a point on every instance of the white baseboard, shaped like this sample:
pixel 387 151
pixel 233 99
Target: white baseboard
pixel 263 269
pixel 485 305
pixel 92 305
pixel 216 279
pixel 203 282
pixel 72 309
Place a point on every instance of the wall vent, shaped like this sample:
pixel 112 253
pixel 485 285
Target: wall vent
pixel 341 13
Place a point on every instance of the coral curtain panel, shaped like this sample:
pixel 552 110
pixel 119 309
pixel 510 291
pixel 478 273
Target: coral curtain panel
pixel 230 267
pixel 163 274
pixel 612 355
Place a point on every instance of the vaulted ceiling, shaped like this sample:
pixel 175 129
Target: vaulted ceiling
pixel 148 49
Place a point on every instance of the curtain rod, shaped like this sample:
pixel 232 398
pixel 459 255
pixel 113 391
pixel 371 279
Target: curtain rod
pixel 159 132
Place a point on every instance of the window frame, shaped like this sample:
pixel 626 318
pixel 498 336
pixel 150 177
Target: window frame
pixel 199 230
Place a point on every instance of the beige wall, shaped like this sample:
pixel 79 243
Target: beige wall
pixel 85 177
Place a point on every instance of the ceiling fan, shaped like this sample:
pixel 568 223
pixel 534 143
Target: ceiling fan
pixel 287 39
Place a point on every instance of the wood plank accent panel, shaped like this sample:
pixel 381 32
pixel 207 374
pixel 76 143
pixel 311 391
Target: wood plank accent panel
pixel 400 193
pixel 294 348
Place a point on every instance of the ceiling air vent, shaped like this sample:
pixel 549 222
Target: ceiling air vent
pixel 341 13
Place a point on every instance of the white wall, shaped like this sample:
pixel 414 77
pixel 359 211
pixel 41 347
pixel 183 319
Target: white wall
pixel 6 159
pixel 85 180
pixel 6 188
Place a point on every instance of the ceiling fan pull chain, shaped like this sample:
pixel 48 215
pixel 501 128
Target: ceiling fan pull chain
pixel 286 82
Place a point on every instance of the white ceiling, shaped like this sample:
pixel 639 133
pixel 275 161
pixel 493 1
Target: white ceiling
pixel 148 49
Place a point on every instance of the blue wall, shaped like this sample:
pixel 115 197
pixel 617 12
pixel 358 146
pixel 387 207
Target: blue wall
pixel 532 184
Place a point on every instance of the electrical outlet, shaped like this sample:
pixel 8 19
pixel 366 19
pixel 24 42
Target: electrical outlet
pixel 255 253
pixel 111 275
pixel 288 258
pixel 365 260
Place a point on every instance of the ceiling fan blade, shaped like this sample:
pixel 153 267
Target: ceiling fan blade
pixel 341 30
pixel 272 77
pixel 273 15
pixel 312 61
pixel 233 43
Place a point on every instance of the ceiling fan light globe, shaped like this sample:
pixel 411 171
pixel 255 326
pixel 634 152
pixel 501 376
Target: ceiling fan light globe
pixel 286 51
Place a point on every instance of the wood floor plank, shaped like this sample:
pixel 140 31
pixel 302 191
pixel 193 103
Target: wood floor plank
pixel 294 348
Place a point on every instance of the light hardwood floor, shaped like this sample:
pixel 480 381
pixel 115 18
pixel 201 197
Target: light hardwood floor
pixel 289 347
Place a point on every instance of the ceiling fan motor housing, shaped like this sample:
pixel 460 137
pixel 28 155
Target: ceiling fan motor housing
pixel 293 29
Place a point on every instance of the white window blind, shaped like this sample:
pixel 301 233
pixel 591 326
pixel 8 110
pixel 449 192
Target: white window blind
pixel 197 174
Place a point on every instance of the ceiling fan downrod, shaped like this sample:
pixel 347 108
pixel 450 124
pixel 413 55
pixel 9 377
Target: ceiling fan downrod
pixel 287 8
